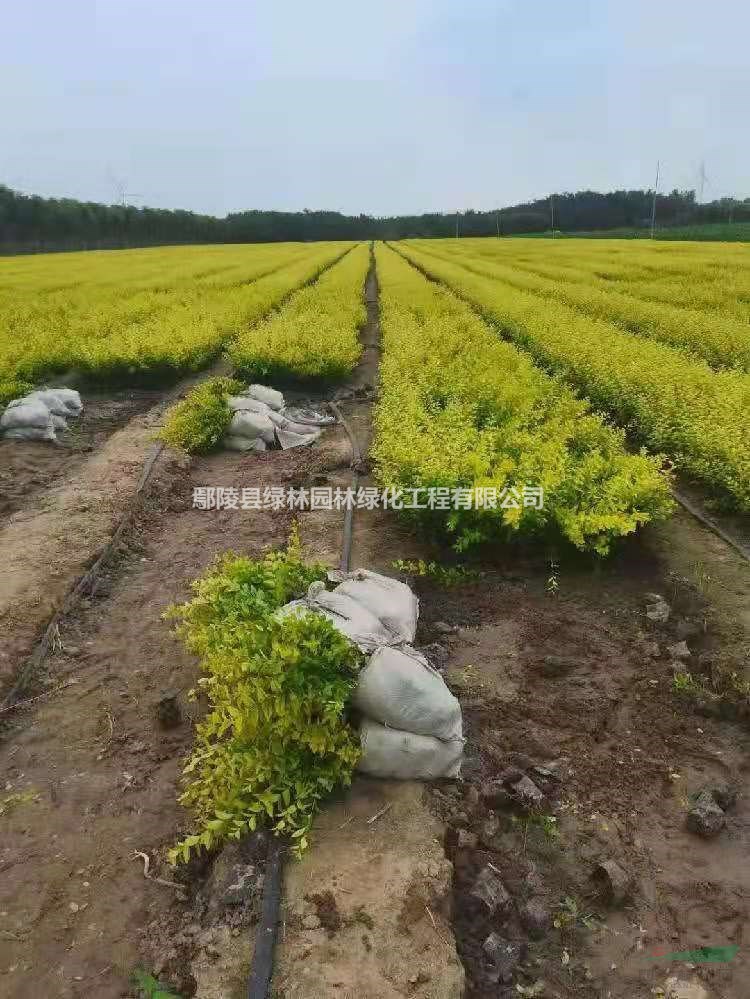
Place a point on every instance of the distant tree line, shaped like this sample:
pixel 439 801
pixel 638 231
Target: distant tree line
pixel 29 223
pixel 579 212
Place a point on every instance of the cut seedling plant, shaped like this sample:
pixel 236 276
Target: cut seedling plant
pixel 275 741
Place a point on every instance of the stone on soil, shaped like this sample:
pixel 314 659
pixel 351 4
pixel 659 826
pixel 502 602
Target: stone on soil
pixel 528 794
pixel 466 840
pixel 504 955
pixel 490 891
pixel 489 832
pixel 535 919
pixel 657 608
pixel 613 882
pixel 705 817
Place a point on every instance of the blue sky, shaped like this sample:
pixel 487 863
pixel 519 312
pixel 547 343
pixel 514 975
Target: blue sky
pixel 392 107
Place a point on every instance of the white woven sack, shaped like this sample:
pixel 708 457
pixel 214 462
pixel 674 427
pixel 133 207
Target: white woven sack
pixel 400 689
pixel 252 426
pixel 54 402
pixel 31 434
pixel 389 752
pixel 71 398
pixel 240 403
pixel 244 444
pixel 310 417
pixel 288 439
pixel 27 414
pixel 265 394
pixel 347 616
pixel 388 599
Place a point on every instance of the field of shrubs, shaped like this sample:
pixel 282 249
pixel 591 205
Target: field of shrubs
pixel 139 316
pixel 504 362
pixel 656 336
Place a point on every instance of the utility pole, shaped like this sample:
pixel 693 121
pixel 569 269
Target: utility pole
pixel 497 222
pixel 702 180
pixel 457 225
pixel 653 203
pixel 552 212
pixel 122 193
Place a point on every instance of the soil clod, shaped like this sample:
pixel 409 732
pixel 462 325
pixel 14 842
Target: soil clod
pixel 490 892
pixel 528 795
pixel 504 956
pixel 495 795
pixel 706 818
pixel 327 911
pixel 679 650
pixel 657 608
pixel 535 919
pixel 168 711
pixel 613 882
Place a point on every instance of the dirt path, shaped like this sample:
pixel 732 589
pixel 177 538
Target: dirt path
pixel 366 912
pixel 63 515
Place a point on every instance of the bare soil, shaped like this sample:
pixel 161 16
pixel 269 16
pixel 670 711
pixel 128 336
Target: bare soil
pixel 28 469
pixel 102 774
pixel 57 532
pixel 580 682
pixel 555 664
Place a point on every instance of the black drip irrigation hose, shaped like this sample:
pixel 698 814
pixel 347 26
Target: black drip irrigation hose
pixel 266 932
pixel 265 937
pixel 719 531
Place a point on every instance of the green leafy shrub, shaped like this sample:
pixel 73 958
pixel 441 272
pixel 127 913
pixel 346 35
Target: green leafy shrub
pixel 458 407
pixel 197 423
pixel 670 401
pixel 315 334
pixel 275 741
pixel 443 575
pixel 13 388
pixel 150 988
